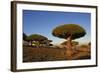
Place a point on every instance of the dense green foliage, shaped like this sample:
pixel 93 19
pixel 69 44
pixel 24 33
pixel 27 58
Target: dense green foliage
pixel 36 37
pixel 66 30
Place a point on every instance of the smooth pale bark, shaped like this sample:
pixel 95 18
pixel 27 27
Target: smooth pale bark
pixel 69 50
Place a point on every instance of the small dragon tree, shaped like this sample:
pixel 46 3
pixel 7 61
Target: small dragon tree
pixel 36 37
pixel 69 32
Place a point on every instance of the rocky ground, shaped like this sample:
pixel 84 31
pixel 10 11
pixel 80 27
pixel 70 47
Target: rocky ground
pixel 35 54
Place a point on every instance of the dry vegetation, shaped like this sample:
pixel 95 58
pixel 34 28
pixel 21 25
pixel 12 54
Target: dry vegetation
pixel 35 54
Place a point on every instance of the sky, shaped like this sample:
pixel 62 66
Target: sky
pixel 43 22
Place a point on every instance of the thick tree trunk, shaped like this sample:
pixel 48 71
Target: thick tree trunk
pixel 69 51
pixel 69 43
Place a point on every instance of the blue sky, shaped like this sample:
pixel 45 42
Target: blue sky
pixel 43 22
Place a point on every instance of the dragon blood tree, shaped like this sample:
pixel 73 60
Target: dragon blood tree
pixel 36 38
pixel 69 32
